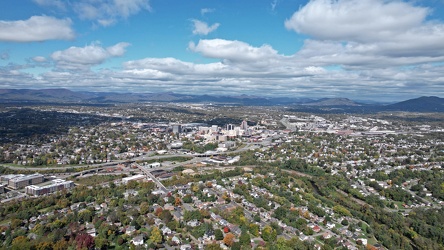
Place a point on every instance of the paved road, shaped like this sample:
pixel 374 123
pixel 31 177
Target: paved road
pixel 148 173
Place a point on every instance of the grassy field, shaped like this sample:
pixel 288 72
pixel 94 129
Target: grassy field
pixel 96 179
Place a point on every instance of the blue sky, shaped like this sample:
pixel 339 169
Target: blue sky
pixel 360 49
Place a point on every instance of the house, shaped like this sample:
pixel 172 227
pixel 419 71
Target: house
pixel 185 247
pixel 91 232
pixel 235 229
pixel 223 222
pixel 104 206
pixel 193 223
pixel 363 241
pixel 90 229
pixel 215 217
pixel 177 214
pixel 166 231
pixel 168 207
pixel 303 237
pixel 175 240
pixel 130 230
pixel 326 235
pixel 316 229
pixel 330 225
pixel 209 235
pixel 138 240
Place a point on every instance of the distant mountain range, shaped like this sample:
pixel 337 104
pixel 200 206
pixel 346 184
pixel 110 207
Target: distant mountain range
pixel 65 96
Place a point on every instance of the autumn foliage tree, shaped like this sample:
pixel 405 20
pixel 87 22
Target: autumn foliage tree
pixel 156 235
pixel 84 241
pixel 229 239
pixel 60 245
pixel 177 201
pixel 158 211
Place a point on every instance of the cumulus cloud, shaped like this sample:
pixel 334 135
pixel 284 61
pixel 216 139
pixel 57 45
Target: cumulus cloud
pixel 36 29
pixel 82 58
pixel 202 28
pixel 173 66
pixel 356 20
pixel 118 49
pixel 108 12
pixel 289 76
pixel 367 32
pixel 244 68
pixel 232 50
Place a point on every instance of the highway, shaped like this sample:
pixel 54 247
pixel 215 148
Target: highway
pixel 146 157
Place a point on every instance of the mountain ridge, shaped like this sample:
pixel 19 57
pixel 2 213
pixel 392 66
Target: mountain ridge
pixel 66 96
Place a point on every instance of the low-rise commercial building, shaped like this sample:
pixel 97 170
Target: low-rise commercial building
pixel 137 177
pixel 57 185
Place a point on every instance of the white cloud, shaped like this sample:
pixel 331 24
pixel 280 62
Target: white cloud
pixel 107 12
pixel 83 58
pixel 367 33
pixel 314 69
pixel 36 29
pixel 244 68
pixel 202 28
pixel 39 59
pixel 173 67
pixel 232 50
pixel 118 49
pixel 322 68
pixel 206 10
pixel 356 20
pixel 126 8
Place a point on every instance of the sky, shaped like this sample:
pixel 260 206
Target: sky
pixel 380 50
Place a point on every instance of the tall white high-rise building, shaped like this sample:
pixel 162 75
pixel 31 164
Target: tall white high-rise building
pixel 244 125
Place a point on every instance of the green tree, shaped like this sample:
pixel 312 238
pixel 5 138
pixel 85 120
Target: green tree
pixel 269 234
pixel 244 239
pixel 282 244
pixel 341 210
pixel 254 229
pixel 213 246
pixel 101 243
pixel 218 234
pixel 144 208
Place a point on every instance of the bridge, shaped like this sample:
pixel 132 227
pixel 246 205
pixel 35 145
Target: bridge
pixel 148 174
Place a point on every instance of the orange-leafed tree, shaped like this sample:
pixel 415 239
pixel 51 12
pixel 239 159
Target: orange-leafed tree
pixel 229 239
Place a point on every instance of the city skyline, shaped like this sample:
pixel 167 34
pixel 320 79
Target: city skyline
pixel 359 49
